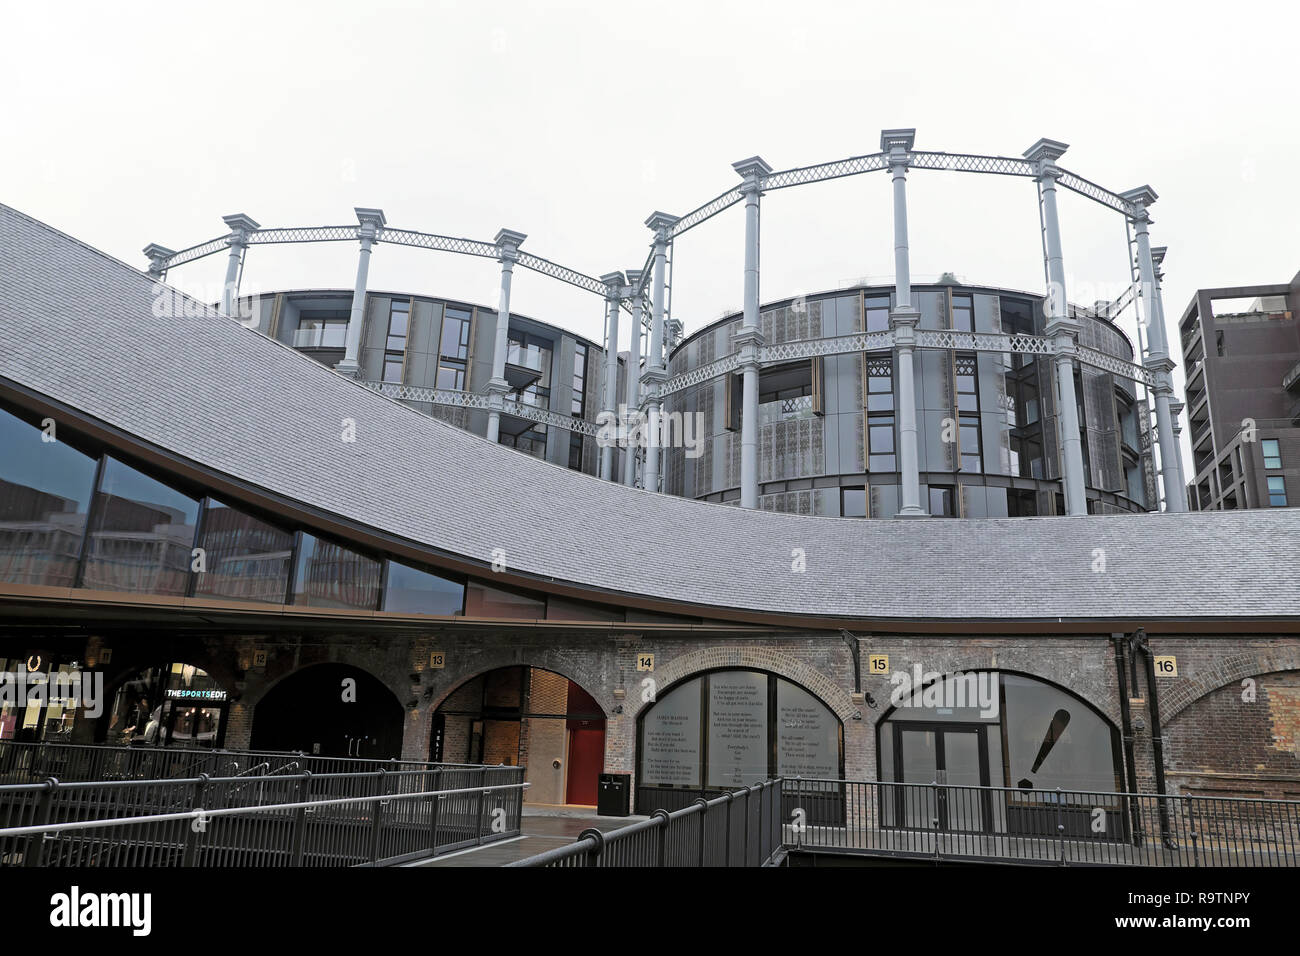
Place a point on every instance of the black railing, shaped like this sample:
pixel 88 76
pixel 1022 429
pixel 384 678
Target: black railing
pixel 946 823
pixel 741 827
pixel 35 762
pixel 952 823
pixel 283 819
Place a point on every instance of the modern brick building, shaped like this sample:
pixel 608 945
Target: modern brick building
pixel 1241 348
pixel 230 556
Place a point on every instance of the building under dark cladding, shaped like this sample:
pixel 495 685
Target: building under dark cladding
pixel 228 554
pixel 1241 348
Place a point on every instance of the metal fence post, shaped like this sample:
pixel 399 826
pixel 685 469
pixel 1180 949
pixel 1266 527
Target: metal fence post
pixel 661 854
pixel 34 855
pixel 376 819
pixel 433 815
pixel 1060 824
pixel 192 834
pixel 482 800
pixel 298 834
pixel 730 811
pixel 704 814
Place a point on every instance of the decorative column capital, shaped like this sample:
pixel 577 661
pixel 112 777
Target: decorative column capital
pixel 634 278
pixel 614 283
pixel 158 256
pixel 897 143
pixel 241 227
pixel 1157 259
pixel 903 321
pixel 1044 154
pixel 508 242
pixel 661 223
pixel 754 171
pixel 372 222
pixel 1141 197
pixel 748 340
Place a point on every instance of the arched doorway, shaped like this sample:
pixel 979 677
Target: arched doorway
pixel 1050 752
pixel 332 710
pixel 530 717
pixel 171 704
pixel 733 728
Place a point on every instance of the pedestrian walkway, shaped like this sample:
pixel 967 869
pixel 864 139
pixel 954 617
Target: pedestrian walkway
pixel 544 828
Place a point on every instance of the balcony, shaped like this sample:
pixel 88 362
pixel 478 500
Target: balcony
pixel 523 364
pixel 329 336
pixel 786 409
pixel 1291 380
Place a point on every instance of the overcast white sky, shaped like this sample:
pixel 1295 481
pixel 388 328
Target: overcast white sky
pixel 572 121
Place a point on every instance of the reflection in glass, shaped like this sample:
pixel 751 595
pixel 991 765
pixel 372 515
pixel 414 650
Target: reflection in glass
pixel 247 559
pixel 330 575
pixel 142 536
pixel 482 600
pixel 411 591
pixel 45 490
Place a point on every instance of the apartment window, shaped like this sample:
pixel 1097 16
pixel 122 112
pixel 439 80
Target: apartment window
pixel 963 314
pixel 877 314
pixel 575 452
pixel 1276 491
pixel 321 330
pixel 1272 453
pixel 399 319
pixel 579 385
pixel 453 349
pixel 965 369
pixel 943 501
pixel 853 502
pixel 879 371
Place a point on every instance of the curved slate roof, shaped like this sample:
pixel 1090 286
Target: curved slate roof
pixel 79 327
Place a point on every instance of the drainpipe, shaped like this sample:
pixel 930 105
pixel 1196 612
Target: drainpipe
pixel 1126 729
pixel 1140 644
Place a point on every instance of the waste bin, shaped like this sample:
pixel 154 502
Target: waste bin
pixel 614 795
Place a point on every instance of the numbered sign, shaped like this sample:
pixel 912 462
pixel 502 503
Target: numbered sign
pixel 878 664
pixel 437 660
pixel 645 662
pixel 1167 666
pixel 259 658
pixel 106 655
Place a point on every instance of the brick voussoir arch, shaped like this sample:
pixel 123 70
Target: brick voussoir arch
pixel 751 658
pixel 549 659
pixel 1232 671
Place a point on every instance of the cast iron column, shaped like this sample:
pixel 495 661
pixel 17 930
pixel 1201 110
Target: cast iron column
pixel 372 224
pixel 1061 328
pixel 750 337
pixel 508 242
pixel 241 227
pixel 903 319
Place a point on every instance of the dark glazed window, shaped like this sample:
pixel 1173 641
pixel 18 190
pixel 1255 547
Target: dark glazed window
pixel 853 502
pixel 409 590
pixel 877 314
pixel 483 600
pixel 1276 492
pixel 962 314
pixel 45 491
pixel 1272 453
pixel 247 559
pixel 330 575
pixel 142 534
pixel 942 502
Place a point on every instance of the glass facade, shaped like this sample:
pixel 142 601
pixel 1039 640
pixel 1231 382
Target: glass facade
pixel 330 575
pixel 141 534
pixel 245 559
pixel 412 591
pixel 45 493
pixel 986 421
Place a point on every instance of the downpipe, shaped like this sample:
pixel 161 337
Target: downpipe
pixel 1142 645
pixel 1126 731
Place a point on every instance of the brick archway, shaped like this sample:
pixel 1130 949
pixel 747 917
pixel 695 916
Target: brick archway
pixel 554 660
pixel 1230 670
pixel 750 658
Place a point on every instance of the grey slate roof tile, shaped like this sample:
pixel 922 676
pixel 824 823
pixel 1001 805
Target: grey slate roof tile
pixel 78 326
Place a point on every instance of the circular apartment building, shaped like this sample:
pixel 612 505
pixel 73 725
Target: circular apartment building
pixel 987 422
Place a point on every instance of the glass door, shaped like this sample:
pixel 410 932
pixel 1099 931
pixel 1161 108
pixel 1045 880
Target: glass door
pixel 954 756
